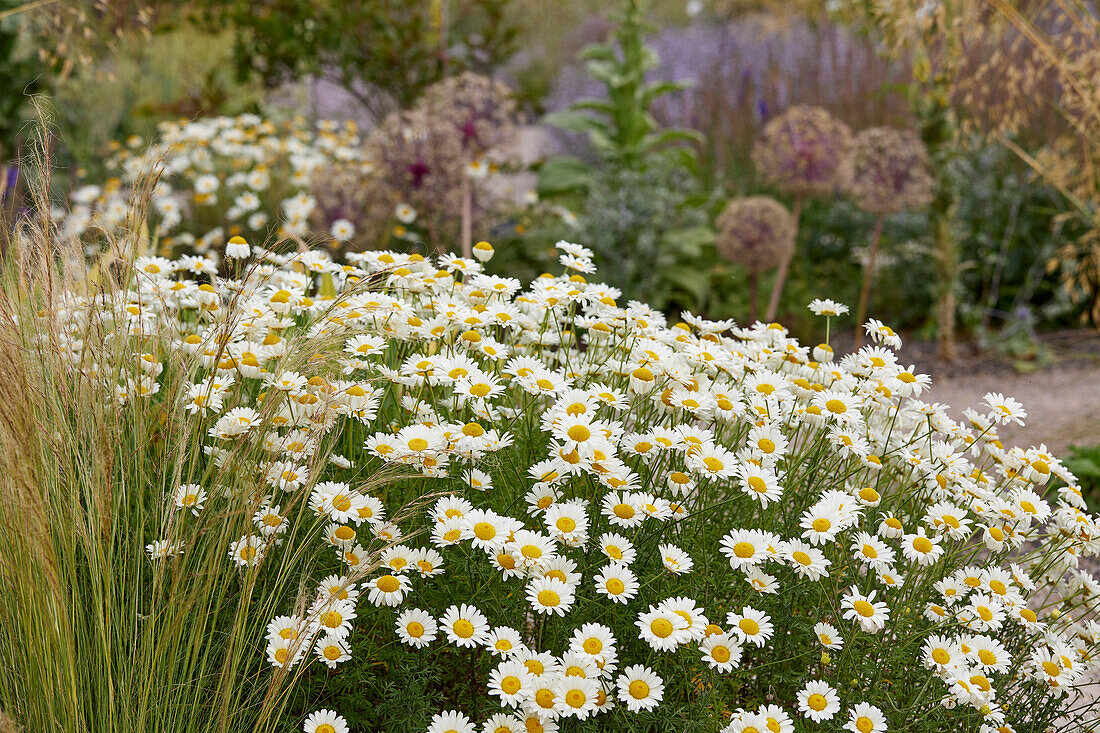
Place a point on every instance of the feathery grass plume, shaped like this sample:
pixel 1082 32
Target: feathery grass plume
pixel 757 233
pixel 802 153
pixel 122 612
pixel 1054 50
pixel 887 172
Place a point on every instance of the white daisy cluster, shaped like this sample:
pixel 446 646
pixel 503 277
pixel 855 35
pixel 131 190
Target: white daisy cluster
pixel 699 492
pixel 217 177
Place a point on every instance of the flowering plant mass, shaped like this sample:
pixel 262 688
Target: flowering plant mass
pixel 610 521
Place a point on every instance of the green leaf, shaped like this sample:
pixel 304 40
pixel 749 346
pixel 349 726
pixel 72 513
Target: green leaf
pixel 576 121
pixel 692 280
pixel 690 241
pixel 665 137
pixel 563 174
pixel 657 89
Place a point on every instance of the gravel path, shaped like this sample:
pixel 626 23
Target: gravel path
pixel 1063 403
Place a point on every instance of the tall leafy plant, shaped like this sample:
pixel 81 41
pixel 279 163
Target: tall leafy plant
pixel 657 227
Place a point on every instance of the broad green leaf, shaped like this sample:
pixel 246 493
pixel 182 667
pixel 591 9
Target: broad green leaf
pixel 562 174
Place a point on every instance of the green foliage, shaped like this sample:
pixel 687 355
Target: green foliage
pixel 620 128
pixel 18 78
pixel 178 72
pixel 1008 229
pixel 382 52
pixel 1084 462
pixel 639 207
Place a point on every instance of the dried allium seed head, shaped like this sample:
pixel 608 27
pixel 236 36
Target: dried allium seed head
pixel 417 160
pixel 755 232
pixel 802 152
pixel 482 111
pixel 888 171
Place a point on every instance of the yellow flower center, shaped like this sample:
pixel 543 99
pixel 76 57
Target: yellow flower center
pixel 661 628
pixel 579 433
pixel 868 494
pixel 743 550
pixel 575 699
pixel 387 584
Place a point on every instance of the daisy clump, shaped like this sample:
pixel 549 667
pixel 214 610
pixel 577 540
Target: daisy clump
pixel 572 514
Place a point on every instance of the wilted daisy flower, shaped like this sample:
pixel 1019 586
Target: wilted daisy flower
pixel 237 248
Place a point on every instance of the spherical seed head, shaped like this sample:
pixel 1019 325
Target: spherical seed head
pixel 481 111
pixel 802 151
pixel 756 232
pixel 888 171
